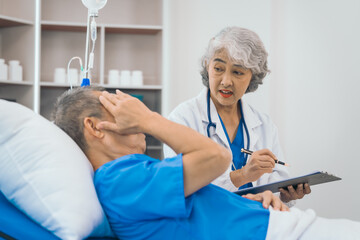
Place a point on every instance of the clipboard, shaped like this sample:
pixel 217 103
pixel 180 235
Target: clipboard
pixel 313 178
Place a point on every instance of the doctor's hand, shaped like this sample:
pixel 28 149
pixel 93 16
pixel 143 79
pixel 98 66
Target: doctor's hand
pixel 292 194
pixel 261 162
pixel 267 199
pixel 129 113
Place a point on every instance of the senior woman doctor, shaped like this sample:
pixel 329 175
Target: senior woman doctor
pixel 235 63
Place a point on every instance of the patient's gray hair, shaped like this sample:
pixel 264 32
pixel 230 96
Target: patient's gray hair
pixel 72 107
pixel 244 47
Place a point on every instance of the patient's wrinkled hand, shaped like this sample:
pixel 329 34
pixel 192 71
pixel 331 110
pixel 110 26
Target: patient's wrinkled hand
pixel 267 198
pixel 129 113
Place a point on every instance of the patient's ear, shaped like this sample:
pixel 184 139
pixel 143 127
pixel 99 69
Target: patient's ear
pixel 90 127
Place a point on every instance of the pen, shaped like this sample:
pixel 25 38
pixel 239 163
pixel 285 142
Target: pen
pixel 276 161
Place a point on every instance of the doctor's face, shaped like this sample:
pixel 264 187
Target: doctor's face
pixel 228 81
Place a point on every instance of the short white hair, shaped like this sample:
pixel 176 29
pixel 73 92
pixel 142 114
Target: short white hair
pixel 243 47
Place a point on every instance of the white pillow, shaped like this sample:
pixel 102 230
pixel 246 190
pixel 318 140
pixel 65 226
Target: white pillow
pixel 46 175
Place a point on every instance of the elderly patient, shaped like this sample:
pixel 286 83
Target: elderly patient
pixel 145 198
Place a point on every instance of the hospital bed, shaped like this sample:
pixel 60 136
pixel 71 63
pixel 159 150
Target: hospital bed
pixel 46 181
pixel 14 224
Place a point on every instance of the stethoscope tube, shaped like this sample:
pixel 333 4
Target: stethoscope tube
pixel 211 124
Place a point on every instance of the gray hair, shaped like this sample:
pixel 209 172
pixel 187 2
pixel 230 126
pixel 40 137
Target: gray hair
pixel 72 107
pixel 243 47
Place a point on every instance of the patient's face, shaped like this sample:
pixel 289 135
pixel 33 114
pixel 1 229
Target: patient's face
pixel 124 144
pixel 131 144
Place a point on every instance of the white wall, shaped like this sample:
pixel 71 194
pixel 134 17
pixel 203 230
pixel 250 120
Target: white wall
pixel 311 93
pixel 318 81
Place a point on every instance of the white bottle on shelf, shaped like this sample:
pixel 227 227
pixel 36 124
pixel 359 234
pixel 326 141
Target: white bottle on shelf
pixel 3 70
pixel 15 71
pixel 60 75
pixel 114 77
pixel 137 78
pixel 125 78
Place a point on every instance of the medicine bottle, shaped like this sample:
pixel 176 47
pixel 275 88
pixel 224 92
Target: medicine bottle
pixel 3 70
pixel 15 71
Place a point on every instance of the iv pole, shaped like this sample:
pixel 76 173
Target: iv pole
pixel 93 7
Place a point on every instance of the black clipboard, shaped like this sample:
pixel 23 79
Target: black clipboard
pixel 313 178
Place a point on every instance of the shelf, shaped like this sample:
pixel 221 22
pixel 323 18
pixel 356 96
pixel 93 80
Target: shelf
pixel 109 28
pixel 66 85
pixel 132 29
pixel 53 84
pixel 115 11
pixel 144 87
pixel 130 36
pixel 6 21
pixel 9 82
pixel 63 26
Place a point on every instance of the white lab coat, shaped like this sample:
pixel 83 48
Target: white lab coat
pixel 262 131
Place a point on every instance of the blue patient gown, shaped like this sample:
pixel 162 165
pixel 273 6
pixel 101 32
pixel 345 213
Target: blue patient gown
pixel 144 199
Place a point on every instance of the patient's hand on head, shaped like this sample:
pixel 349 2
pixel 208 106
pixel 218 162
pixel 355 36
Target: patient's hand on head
pixel 130 113
pixel 267 198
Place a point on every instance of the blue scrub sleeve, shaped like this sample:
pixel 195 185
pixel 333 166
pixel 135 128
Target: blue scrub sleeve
pixel 137 187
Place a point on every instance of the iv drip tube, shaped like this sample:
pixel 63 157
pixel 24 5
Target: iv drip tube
pixel 87 46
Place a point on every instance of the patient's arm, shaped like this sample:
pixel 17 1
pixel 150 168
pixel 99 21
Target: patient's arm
pixel 203 159
pixel 267 198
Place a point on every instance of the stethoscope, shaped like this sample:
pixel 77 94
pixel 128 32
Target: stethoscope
pixel 211 124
